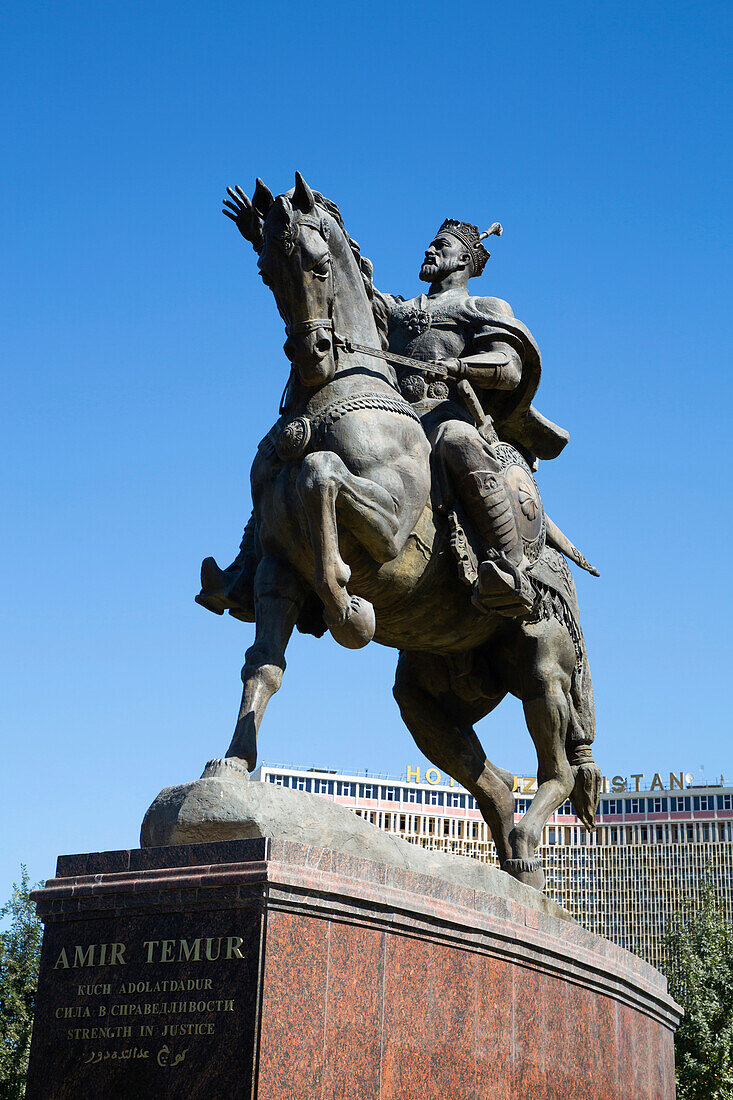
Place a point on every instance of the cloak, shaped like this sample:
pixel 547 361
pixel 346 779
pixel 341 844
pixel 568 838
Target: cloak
pixel 515 418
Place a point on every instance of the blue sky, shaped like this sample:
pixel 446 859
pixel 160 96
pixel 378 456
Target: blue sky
pixel 143 360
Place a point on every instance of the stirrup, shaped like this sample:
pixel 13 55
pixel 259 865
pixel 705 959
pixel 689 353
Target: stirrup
pixel 503 588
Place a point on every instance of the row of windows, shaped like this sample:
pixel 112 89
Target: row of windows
pixel 426 826
pixel 694 832
pixel 570 839
pixel 428 797
pixel 660 805
pixel 410 795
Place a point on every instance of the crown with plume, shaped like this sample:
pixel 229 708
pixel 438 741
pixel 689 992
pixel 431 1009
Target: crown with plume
pixel 469 235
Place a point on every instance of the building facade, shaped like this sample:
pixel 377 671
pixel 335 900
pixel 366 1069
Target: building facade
pixel 625 880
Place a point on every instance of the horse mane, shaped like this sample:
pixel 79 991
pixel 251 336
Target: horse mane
pixel 366 268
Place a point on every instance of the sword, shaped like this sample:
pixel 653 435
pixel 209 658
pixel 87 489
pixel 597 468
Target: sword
pixel 393 357
pixel 495 358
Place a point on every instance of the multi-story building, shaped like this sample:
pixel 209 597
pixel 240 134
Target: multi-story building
pixel 625 880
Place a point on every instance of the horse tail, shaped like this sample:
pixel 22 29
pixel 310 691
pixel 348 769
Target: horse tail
pixel 561 542
pixel 581 730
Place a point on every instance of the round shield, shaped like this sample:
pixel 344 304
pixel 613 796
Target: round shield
pixel 526 500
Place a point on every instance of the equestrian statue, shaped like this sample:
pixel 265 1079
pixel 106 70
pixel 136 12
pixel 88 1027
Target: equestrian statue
pixel 394 499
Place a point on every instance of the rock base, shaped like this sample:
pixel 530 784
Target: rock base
pixel 226 805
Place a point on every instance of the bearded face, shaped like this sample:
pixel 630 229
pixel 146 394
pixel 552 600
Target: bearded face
pixel 445 255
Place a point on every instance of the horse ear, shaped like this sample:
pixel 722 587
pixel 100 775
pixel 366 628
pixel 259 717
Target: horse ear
pixel 303 197
pixel 262 199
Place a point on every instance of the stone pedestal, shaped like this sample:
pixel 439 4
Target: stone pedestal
pixel 278 971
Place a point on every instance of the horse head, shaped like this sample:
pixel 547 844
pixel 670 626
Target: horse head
pixel 305 256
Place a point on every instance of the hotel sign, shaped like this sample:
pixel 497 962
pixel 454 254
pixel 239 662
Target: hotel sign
pixel 527 784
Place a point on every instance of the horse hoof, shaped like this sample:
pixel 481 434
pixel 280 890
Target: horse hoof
pixel 357 629
pixel 528 871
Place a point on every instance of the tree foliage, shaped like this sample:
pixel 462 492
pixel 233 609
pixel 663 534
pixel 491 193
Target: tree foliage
pixel 20 952
pixel 699 967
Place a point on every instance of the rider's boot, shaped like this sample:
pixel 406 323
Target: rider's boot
pixel 502 583
pixel 231 589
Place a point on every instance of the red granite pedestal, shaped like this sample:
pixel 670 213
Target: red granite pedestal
pixel 269 970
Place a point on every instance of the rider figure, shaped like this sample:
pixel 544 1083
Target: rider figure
pixel 478 340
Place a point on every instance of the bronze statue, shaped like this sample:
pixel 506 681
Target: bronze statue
pixel 393 501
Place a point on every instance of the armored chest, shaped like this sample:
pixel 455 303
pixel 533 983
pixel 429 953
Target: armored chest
pixel 426 330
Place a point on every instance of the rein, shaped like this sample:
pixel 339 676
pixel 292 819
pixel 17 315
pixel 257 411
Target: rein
pixel 342 343
pixel 433 369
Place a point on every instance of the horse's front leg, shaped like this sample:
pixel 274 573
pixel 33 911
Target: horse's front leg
pixel 370 513
pixel 279 595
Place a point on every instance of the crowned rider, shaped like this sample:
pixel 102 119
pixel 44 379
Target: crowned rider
pixel 480 341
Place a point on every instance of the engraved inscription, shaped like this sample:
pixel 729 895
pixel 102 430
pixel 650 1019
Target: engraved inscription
pixel 169 1008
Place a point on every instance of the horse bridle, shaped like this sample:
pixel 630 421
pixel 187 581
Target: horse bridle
pixel 310 325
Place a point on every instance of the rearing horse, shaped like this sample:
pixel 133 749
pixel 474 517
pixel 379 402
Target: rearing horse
pixel 345 528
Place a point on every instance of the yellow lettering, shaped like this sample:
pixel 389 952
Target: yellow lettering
pixel 233 945
pixel 84 958
pixel 166 951
pixel 677 781
pixel 209 949
pixel 151 945
pixel 619 784
pixel 413 773
pixel 657 784
pixel 62 961
pixel 604 785
pixel 636 779
pixel 117 954
pixel 432 776
pixel 529 785
pixel 193 952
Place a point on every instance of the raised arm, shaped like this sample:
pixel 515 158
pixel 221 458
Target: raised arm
pixel 248 216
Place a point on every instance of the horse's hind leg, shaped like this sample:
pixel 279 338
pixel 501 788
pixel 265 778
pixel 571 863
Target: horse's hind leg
pixel 370 512
pixel 442 726
pixel 279 595
pixel 547 660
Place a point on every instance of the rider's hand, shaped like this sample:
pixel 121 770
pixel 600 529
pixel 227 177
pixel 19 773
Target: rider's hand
pixel 453 366
pixel 241 212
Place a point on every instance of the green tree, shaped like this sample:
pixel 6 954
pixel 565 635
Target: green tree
pixel 699 967
pixel 20 951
